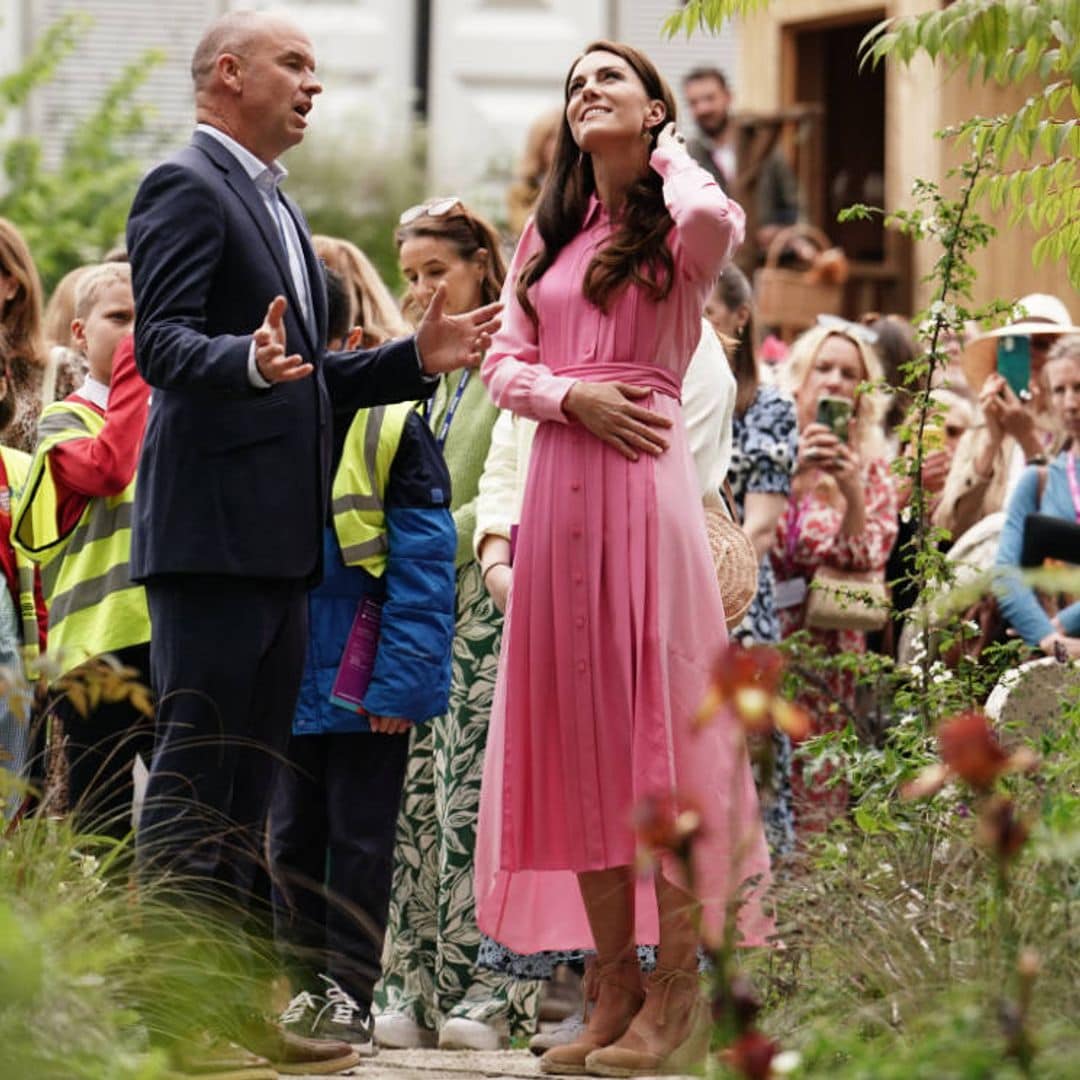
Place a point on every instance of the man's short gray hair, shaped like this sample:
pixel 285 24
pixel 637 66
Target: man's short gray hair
pixel 232 33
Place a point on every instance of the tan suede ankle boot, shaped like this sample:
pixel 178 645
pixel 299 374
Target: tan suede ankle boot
pixel 619 983
pixel 677 1043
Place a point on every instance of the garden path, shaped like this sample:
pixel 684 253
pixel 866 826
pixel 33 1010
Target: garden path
pixel 448 1065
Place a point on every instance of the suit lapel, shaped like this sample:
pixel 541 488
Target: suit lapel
pixel 244 187
pixel 316 280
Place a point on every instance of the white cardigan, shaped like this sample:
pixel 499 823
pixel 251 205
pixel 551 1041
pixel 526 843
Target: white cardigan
pixel 708 403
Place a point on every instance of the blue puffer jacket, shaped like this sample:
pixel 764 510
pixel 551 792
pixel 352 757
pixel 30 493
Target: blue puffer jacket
pixel 411 679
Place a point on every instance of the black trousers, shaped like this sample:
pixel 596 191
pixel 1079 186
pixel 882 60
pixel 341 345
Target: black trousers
pixel 332 829
pixel 227 655
pixel 101 747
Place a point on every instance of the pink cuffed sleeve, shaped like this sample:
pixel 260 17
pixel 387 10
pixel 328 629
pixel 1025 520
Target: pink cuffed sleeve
pixel 512 372
pixel 708 225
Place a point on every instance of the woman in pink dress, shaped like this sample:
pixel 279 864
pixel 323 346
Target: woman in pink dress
pixel 615 617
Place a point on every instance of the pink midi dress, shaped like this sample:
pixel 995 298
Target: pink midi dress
pixel 615 616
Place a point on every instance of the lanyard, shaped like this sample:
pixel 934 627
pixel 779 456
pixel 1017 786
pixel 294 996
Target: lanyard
pixel 1074 483
pixel 451 408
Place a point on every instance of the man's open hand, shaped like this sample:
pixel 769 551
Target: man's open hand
pixel 274 366
pixel 448 342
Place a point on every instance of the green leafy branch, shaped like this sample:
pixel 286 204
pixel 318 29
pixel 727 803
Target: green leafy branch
pixel 709 15
pixel 74 212
pixel 58 41
pixel 1036 148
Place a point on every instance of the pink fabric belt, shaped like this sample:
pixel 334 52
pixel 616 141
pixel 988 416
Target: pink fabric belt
pixel 656 378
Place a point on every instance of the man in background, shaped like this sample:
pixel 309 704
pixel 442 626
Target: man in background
pixel 773 185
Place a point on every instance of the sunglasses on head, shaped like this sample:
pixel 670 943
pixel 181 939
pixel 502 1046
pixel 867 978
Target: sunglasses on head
pixel 433 208
pixel 851 329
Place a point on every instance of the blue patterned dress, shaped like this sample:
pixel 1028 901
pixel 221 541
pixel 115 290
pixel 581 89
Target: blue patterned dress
pixel 763 449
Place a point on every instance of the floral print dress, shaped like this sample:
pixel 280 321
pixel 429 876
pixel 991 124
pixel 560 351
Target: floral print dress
pixel 808 536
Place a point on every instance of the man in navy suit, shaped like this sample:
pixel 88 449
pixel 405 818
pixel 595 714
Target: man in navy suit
pixel 234 478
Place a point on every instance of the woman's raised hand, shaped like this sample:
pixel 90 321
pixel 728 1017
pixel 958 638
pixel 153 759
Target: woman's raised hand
pixel 817 447
pixel 671 139
pixel 607 409
pixel 1005 412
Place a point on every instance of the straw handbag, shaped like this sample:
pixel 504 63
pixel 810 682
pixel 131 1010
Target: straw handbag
pixel 847 600
pixel 793 299
pixel 734 557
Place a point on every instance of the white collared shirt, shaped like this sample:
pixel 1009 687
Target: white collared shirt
pixel 97 393
pixel 266 179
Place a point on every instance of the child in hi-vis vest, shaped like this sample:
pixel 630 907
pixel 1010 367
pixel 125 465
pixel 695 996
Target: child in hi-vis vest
pixel 74 519
pixel 380 629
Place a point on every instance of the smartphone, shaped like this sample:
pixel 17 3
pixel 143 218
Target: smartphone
pixel 1014 362
pixel 835 413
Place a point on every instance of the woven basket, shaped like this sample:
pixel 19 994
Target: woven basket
pixel 734 558
pixel 792 299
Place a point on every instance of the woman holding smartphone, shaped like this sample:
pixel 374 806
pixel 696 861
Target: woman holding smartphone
pixel 615 616
pixel 1052 490
pixel 1017 427
pixel 841 516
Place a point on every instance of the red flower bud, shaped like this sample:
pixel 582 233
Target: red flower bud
pixel 970 749
pixel 751 1055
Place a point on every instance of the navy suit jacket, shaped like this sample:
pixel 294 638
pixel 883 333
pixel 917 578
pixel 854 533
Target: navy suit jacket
pixel 234 480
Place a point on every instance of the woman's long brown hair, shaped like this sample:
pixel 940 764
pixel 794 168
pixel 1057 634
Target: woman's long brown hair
pixel 22 313
pixel 733 290
pixel 638 251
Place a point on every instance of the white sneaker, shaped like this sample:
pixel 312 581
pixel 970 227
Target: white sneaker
pixel 564 1033
pixel 397 1031
pixel 458 1033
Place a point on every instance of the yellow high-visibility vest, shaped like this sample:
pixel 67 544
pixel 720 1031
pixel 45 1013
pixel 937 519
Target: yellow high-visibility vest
pixel 17 466
pixel 94 607
pixel 360 483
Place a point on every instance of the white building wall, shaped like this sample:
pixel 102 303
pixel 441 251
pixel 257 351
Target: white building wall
pixel 494 66
pixel 11 54
pixel 497 64
pixel 364 51
pixel 121 31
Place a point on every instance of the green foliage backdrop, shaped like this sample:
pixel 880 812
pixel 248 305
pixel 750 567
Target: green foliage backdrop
pixel 75 212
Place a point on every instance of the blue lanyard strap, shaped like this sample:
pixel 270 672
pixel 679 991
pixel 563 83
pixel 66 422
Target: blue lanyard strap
pixel 451 408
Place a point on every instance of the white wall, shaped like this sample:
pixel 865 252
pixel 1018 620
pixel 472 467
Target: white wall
pixel 495 65
pixel 364 51
pixel 120 33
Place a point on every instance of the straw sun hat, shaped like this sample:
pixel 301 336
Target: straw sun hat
pixel 1045 315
